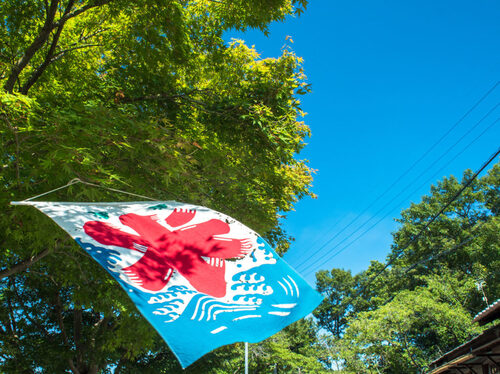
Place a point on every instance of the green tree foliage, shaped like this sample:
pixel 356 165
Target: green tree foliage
pixel 292 349
pixel 338 288
pixel 399 318
pixel 138 95
pixel 403 334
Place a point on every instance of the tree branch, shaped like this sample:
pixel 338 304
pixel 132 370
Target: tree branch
pixel 3 330
pixel 72 366
pixel 16 137
pixel 97 327
pixel 60 320
pixel 11 316
pixel 186 96
pixel 26 314
pixel 77 328
pixel 80 11
pixel 39 41
pixel 155 97
pixel 48 57
pixel 121 362
pixel 23 265
pixel 60 54
pixel 83 38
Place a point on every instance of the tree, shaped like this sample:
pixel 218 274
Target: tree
pixel 403 334
pixel 399 318
pixel 347 295
pixel 338 287
pixel 463 239
pixel 295 347
pixel 292 349
pixel 144 96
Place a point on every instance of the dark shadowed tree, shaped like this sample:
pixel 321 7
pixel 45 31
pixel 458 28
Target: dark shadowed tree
pixel 137 95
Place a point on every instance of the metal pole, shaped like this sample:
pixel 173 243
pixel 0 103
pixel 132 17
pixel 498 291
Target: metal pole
pixel 246 358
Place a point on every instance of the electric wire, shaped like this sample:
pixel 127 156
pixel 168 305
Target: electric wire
pixel 329 258
pixel 416 179
pixel 303 267
pixel 445 252
pixel 439 254
pixel 411 267
pixel 330 231
pixel 431 148
pixel 416 237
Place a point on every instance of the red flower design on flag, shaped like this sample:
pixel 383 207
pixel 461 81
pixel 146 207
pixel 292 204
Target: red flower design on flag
pixel 195 251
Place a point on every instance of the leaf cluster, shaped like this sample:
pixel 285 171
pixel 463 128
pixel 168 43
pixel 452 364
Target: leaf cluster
pixel 142 96
pixel 400 318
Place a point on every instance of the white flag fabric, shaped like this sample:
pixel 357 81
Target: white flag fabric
pixel 201 278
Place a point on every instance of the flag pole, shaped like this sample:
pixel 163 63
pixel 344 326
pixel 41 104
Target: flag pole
pixel 246 358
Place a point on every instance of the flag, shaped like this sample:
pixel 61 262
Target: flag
pixel 201 278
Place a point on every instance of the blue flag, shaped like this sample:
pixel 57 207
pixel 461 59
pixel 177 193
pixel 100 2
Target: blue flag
pixel 201 278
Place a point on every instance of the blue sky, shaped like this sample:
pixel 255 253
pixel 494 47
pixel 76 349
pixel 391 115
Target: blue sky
pixel 389 79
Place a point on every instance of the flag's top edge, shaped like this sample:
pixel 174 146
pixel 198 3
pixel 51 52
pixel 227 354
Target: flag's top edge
pixel 92 203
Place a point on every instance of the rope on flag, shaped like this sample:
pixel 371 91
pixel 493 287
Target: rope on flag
pixel 201 278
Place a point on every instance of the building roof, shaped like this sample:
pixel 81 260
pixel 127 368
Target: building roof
pixel 482 350
pixel 473 353
pixel 491 313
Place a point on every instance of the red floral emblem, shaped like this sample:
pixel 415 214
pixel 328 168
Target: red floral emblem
pixel 194 250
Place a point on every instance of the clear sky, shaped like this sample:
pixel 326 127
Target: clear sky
pixel 389 79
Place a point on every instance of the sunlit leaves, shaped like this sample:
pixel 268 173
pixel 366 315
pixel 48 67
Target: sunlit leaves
pixel 142 96
pixel 399 318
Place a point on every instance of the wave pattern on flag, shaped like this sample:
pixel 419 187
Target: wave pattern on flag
pixel 199 277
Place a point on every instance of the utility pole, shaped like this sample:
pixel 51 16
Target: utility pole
pixel 480 284
pixel 246 358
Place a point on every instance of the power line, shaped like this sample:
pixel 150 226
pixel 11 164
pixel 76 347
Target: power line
pixel 407 270
pixel 409 185
pixel 415 238
pixel 439 254
pixel 443 253
pixel 322 260
pixel 406 172
pixel 330 231
pixel 399 203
